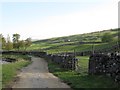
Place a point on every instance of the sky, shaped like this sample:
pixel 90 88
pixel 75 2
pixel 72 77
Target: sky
pixel 42 19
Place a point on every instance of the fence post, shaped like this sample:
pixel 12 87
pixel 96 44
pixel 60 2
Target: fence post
pixel 119 38
pixel 74 61
pixel 93 46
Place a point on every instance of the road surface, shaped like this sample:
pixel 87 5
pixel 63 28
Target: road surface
pixel 36 75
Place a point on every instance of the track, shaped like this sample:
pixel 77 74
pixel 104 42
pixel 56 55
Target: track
pixel 36 75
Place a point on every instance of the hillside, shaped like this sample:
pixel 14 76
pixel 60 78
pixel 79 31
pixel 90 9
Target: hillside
pixel 79 42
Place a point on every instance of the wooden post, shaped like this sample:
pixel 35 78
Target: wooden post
pixel 74 53
pixel 74 62
pixel 118 38
pixel 93 48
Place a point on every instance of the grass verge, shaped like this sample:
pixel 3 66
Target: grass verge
pixel 82 79
pixel 9 71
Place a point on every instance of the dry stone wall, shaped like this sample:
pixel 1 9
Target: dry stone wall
pixel 107 64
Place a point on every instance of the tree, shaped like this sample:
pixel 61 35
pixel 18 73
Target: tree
pixel 2 41
pixel 22 44
pixel 17 44
pixel 9 44
pixel 107 37
pixel 16 38
pixel 28 42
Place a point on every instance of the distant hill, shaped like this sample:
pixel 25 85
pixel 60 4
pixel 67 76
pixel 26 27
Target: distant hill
pixel 33 40
pixel 79 42
pixel 93 36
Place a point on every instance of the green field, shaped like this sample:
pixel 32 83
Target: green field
pixel 71 43
pixel 81 79
pixel 77 48
pixel 83 64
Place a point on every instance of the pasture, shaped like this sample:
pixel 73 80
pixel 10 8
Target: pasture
pixel 79 43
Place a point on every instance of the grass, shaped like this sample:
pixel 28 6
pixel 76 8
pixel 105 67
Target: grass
pixel 18 57
pixel 82 48
pixel 9 71
pixel 83 64
pixel 62 44
pixel 81 79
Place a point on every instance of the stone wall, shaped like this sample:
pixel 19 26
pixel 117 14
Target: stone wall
pixel 65 61
pixel 105 64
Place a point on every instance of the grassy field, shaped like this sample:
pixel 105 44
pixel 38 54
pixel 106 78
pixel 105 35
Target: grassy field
pixel 70 48
pixel 81 79
pixel 82 48
pixel 93 36
pixel 83 64
pixel 71 43
pixel 60 44
pixel 10 70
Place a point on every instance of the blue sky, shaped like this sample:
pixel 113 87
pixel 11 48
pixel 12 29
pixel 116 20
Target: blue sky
pixel 40 19
pixel 22 12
